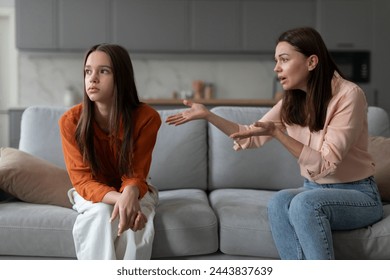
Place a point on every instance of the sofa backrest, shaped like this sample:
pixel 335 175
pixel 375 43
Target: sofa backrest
pixel 180 155
pixel 378 122
pixel 270 167
pixel 40 134
pixel 194 155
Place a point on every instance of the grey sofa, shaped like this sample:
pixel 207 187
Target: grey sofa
pixel 213 200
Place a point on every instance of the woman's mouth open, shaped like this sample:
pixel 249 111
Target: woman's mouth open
pixel 282 79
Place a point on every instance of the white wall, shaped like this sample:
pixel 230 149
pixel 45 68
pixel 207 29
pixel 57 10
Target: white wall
pixel 7 3
pixel 44 78
pixel 8 67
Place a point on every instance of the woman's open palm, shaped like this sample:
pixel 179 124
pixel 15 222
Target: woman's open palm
pixel 195 112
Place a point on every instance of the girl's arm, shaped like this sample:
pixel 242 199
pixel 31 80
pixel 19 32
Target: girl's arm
pixel 127 208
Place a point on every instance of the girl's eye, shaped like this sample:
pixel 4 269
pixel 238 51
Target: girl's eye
pixel 87 71
pixel 104 71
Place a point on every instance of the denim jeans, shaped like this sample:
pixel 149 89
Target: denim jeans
pixel 302 219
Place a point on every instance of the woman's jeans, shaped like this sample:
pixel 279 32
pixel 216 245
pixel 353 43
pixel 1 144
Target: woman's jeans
pixel 302 219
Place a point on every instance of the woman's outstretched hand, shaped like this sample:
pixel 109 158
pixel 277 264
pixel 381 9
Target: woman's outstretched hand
pixel 195 112
pixel 258 129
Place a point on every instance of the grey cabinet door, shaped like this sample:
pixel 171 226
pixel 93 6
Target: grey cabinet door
pixel 83 23
pixel 151 25
pixel 264 20
pixel 346 24
pixel 36 24
pixel 188 26
pixel 216 25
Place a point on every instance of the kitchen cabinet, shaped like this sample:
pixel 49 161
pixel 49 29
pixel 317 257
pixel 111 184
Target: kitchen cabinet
pixel 61 24
pixel 264 20
pixel 346 24
pixel 36 24
pixel 188 26
pixel 79 26
pixel 151 25
pixel 215 26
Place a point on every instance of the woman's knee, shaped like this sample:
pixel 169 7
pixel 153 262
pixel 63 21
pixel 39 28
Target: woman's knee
pixel 304 205
pixel 281 199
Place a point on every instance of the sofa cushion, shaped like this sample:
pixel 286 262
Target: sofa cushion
pixel 243 222
pixel 180 155
pixel 32 179
pixel 244 228
pixel 369 243
pixel 184 224
pixel 378 122
pixel 36 230
pixel 379 148
pixel 40 134
pixel 270 167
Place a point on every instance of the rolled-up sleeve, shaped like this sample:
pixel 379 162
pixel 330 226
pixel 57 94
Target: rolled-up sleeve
pixel 273 115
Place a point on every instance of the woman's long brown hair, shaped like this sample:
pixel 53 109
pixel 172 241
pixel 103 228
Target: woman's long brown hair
pixel 124 102
pixel 309 109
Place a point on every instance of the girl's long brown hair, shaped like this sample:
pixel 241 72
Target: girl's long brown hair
pixel 309 109
pixel 124 102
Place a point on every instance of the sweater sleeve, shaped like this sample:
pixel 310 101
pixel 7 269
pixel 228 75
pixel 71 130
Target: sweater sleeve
pixel 145 135
pixel 272 115
pixel 80 173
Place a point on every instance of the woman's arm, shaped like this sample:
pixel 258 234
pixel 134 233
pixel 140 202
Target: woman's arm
pixel 198 111
pixel 271 129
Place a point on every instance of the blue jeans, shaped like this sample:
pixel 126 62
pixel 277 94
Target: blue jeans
pixel 302 219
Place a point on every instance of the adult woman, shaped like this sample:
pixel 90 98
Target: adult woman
pixel 107 142
pixel 322 121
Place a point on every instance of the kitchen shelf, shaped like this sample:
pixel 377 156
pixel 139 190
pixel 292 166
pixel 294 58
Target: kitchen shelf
pixel 213 102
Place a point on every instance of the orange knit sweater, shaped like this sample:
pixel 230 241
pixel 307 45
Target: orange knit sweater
pixel 147 123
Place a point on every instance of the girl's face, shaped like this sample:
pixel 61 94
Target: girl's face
pixel 99 77
pixel 292 67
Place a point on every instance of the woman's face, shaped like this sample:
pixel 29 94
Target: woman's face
pixel 99 77
pixel 292 67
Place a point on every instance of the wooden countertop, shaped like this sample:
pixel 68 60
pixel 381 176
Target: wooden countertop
pixel 214 102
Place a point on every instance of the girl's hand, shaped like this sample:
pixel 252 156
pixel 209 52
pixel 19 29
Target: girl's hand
pixel 195 112
pixel 257 129
pixel 128 209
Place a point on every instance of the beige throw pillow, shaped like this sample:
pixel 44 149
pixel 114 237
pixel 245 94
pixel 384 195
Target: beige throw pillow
pixel 32 179
pixel 379 148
